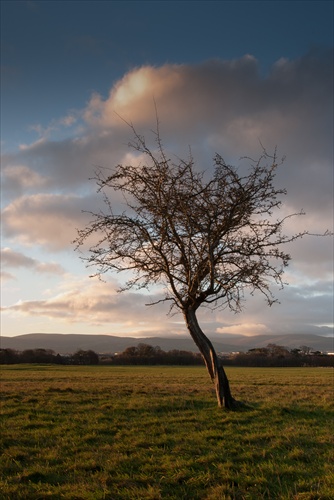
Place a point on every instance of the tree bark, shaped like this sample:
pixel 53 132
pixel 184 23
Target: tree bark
pixel 212 362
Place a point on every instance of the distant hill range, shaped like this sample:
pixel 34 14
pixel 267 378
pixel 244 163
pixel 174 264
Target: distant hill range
pixel 70 343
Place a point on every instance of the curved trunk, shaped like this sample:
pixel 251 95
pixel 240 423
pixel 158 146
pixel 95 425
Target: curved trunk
pixel 213 363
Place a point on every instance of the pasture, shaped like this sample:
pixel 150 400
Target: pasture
pixel 90 433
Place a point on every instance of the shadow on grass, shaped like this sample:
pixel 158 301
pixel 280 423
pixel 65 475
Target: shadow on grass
pixel 39 477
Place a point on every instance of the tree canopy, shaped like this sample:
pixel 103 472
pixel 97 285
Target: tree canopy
pixel 206 238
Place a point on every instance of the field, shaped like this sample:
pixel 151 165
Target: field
pixel 156 433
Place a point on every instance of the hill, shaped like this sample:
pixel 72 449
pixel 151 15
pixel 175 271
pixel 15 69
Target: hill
pixel 70 343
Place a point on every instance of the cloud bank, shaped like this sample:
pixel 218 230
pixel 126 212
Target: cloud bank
pixel 12 259
pixel 217 106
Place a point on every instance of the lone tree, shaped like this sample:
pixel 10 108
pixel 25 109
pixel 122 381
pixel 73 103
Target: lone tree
pixel 206 240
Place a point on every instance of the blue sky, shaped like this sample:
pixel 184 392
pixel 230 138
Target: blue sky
pixel 224 75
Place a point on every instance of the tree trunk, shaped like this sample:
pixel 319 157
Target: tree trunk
pixel 213 363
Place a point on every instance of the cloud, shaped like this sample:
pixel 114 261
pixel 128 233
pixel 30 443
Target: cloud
pixel 5 276
pixel 302 307
pixel 13 259
pixel 228 102
pixel 19 179
pixel 245 329
pixel 54 126
pixel 95 303
pixel 69 163
pixel 133 97
pixel 49 220
pixel 68 121
pixel 216 106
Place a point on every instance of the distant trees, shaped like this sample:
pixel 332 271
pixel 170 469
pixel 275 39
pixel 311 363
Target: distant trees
pixel 10 356
pixel 276 355
pixel 38 356
pixel 47 356
pixel 145 354
pixel 142 354
pixel 82 357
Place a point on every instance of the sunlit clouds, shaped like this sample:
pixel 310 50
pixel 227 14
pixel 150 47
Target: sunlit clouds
pixel 93 302
pixel 47 220
pixel 224 106
pixel 246 329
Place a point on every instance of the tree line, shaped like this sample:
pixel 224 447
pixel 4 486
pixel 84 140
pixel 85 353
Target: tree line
pixel 145 354
pixel 280 356
pixel 48 356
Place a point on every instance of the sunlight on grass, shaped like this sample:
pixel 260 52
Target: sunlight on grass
pixel 155 432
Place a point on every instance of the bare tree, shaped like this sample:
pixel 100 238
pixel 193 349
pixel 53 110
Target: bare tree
pixel 206 240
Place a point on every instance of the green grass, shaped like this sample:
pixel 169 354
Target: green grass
pixel 156 433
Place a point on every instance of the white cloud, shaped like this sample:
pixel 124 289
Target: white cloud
pixel 133 96
pixel 245 329
pixel 94 302
pixel 49 220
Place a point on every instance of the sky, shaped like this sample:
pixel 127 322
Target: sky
pixel 226 77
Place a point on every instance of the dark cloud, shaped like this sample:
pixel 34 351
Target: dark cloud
pixel 223 106
pixel 12 259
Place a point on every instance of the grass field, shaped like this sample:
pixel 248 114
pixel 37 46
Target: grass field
pixel 156 433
